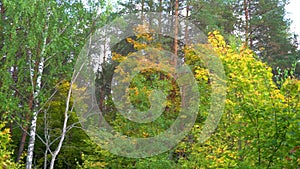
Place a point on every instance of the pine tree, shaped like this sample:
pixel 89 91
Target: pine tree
pixel 266 31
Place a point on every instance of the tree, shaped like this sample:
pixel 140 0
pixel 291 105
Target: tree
pixel 267 31
pixel 253 128
pixel 213 15
pixel 258 128
pixel 41 41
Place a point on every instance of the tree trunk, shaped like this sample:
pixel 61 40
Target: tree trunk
pixel 186 34
pixel 25 130
pixel 176 32
pixel 250 25
pixel 35 114
pixel 37 87
pixel 64 129
pixel 159 19
pixel 186 24
pixel 143 2
pixel 246 21
pixel 47 138
pixel 22 143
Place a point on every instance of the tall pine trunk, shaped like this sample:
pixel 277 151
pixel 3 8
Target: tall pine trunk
pixel 176 32
pixel 246 11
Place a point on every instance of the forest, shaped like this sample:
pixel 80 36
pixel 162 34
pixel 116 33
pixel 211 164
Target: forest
pixel 140 84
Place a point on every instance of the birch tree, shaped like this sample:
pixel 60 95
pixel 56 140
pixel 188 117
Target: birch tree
pixel 65 128
pixel 39 45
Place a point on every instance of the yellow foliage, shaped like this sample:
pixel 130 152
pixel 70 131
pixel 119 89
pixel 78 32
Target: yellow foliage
pixel 253 102
pixel 117 57
pixel 5 152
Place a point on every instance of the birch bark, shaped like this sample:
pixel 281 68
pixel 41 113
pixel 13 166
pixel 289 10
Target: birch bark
pixel 36 85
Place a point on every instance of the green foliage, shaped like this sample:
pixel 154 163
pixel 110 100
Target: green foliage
pixel 268 32
pixel 33 31
pixel 50 127
pixel 291 91
pixel 211 15
pixel 103 159
pixel 260 125
pixel 142 86
pixel 255 128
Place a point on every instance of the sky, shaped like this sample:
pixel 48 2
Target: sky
pixel 293 12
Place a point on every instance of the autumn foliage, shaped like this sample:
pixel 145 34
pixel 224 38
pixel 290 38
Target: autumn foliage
pixel 259 127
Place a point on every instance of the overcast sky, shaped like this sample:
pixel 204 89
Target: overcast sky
pixel 293 10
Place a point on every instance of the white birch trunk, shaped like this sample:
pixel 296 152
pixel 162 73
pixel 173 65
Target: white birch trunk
pixel 47 138
pixel 37 88
pixel 64 129
pixel 32 132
